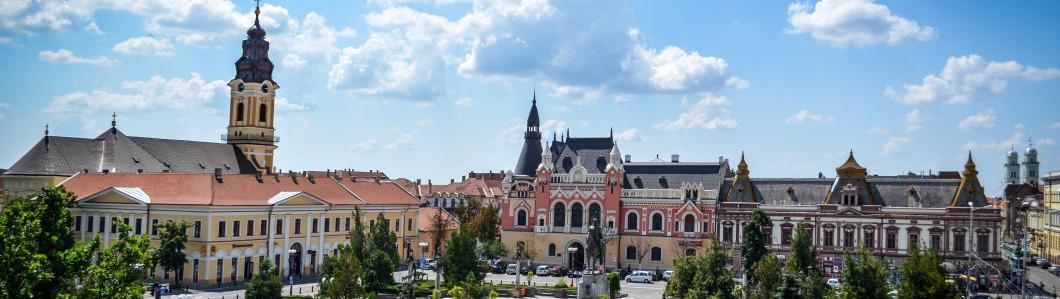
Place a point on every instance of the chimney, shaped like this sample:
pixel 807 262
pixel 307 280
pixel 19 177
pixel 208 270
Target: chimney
pixel 353 178
pixel 276 176
pixel 451 181
pixel 106 171
pixel 139 170
pixel 675 158
pixel 217 175
pixel 257 176
pixel 628 158
pixel 417 181
pixel 310 177
pixel 430 186
pixel 463 178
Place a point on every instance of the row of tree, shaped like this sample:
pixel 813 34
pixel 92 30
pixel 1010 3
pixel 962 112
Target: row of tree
pixel 365 265
pixel 765 276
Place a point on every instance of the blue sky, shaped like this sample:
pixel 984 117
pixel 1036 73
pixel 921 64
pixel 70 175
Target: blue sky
pixel 433 89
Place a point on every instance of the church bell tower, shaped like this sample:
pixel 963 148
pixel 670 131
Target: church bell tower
pixel 253 101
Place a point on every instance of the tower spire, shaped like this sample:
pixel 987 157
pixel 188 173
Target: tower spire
pixel 113 120
pixel 257 10
pixel 46 125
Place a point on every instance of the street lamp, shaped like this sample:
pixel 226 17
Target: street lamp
pixel 290 274
pixel 971 246
pixel 570 257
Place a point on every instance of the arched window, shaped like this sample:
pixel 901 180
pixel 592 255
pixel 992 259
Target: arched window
pixel 594 212
pixel 656 222
pixel 521 218
pixel 576 217
pixel 690 223
pixel 656 254
pixel 601 164
pixel 567 164
pixel 263 113
pixel 632 220
pixel 239 112
pixel 631 253
pixel 551 249
pixel 559 215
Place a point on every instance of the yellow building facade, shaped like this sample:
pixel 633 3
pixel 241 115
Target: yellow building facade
pixel 1049 230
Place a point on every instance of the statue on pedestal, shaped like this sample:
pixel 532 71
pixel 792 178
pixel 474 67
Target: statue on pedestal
pixel 594 249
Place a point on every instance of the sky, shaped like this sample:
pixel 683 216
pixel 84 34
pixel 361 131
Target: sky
pixel 434 89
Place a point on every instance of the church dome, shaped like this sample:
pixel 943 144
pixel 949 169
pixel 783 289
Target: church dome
pixel 1031 151
pixel 1012 153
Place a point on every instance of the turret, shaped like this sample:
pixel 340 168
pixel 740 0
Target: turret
pixel 252 99
pixel 1012 167
pixel 1030 165
pixel 530 156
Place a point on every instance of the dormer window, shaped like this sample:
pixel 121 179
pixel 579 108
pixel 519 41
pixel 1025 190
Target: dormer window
pixel 601 163
pixel 850 196
pixel 663 182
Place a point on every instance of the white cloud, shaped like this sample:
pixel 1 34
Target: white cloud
pixel 981 120
pixel 193 21
pixel 156 92
pixel 631 135
pixel 895 144
pixel 425 122
pixel 464 102
pixel 366 145
pixel 708 113
pixel 93 28
pixel 146 45
pixel 1017 137
pixel 854 22
pixel 293 61
pixel 968 78
pixel 1045 142
pixel 283 104
pixel 804 116
pixel 402 141
pixel 67 57
pixel 550 127
pixel 914 120
pixel 879 131
pixel 423 104
pixel 1054 126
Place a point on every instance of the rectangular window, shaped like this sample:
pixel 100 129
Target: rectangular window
pixel 297 226
pixel 139 225
pixel 276 261
pixel 892 240
pixel 958 242
pixel 221 229
pixel 102 224
pixel 89 222
pixel 250 228
pixel 337 223
pixel 409 227
pixel 829 238
pixel 785 236
pixel 235 265
pixel 77 223
pixel 220 271
pixel 327 225
pixel 125 220
pixel 936 241
pixel 314 225
pixel 914 241
pixel 279 226
pixel 195 271
pixel 154 227
pixel 371 223
pixel 982 243
pixel 198 229
pixel 264 227
pixel 113 224
pixel 727 234
pixel 870 239
pixel 347 223
pixel 848 238
pixel 397 224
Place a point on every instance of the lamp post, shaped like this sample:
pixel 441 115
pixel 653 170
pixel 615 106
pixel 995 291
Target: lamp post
pixel 437 267
pixel 290 274
pixel 570 256
pixel 971 247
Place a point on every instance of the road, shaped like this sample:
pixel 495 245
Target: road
pixel 634 290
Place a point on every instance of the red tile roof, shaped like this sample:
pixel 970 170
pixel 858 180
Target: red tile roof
pixel 163 188
pixel 426 214
pixel 238 190
pixel 380 192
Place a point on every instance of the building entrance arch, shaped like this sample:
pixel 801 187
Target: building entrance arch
pixel 294 259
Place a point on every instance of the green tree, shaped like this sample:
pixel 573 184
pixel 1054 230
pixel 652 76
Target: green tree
pixel 37 249
pixel 803 265
pixel 703 276
pixel 754 248
pixel 924 278
pixel 459 258
pixel 120 269
pixel 493 249
pixel 172 239
pixel 486 223
pixel 383 239
pixel 864 277
pixel 340 277
pixel 615 283
pixel 789 288
pixel 378 271
pixel 267 284
pixel 358 235
pixel 769 277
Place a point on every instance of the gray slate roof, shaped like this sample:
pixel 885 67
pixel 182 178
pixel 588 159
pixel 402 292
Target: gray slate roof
pixel 664 175
pixel 565 153
pixel 116 152
pixel 892 192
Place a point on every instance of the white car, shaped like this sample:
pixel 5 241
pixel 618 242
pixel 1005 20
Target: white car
pixel 639 276
pixel 833 282
pixel 667 274
pixel 542 270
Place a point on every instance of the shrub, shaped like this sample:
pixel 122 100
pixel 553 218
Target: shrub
pixel 494 295
pixel 605 296
pixel 561 284
pixel 614 282
pixel 437 294
pixel 457 292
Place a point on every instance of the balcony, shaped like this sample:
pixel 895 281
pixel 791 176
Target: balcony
pixel 259 139
pixel 542 229
pixel 610 231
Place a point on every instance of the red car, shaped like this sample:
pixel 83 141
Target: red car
pixel 557 271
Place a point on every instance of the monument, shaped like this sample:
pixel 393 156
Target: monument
pixel 594 283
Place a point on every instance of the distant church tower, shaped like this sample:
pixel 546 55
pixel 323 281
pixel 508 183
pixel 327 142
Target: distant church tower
pixel 1030 165
pixel 1012 168
pixel 530 157
pixel 253 100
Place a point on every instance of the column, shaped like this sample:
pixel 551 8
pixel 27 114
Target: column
pixel 308 234
pixel 286 242
pixel 83 228
pixel 95 224
pixel 271 233
pixel 209 237
pixel 106 230
pixel 320 243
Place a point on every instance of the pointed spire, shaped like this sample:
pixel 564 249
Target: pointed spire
pixel 46 136
pixel 113 120
pixel 969 167
pixel 851 168
pixel 257 10
pixel 741 168
pixel 46 127
pixel 612 132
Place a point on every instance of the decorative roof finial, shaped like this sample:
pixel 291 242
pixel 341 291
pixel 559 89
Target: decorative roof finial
pixel 612 132
pixel 257 10
pixel 46 125
pixel 113 120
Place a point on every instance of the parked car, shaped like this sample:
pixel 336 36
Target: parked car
pixel 667 274
pixel 542 270
pixel 574 274
pixel 526 269
pixel 557 271
pixel 833 282
pixel 510 270
pixel 1055 270
pixel 1045 265
pixel 431 264
pixel 639 276
pixel 497 268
